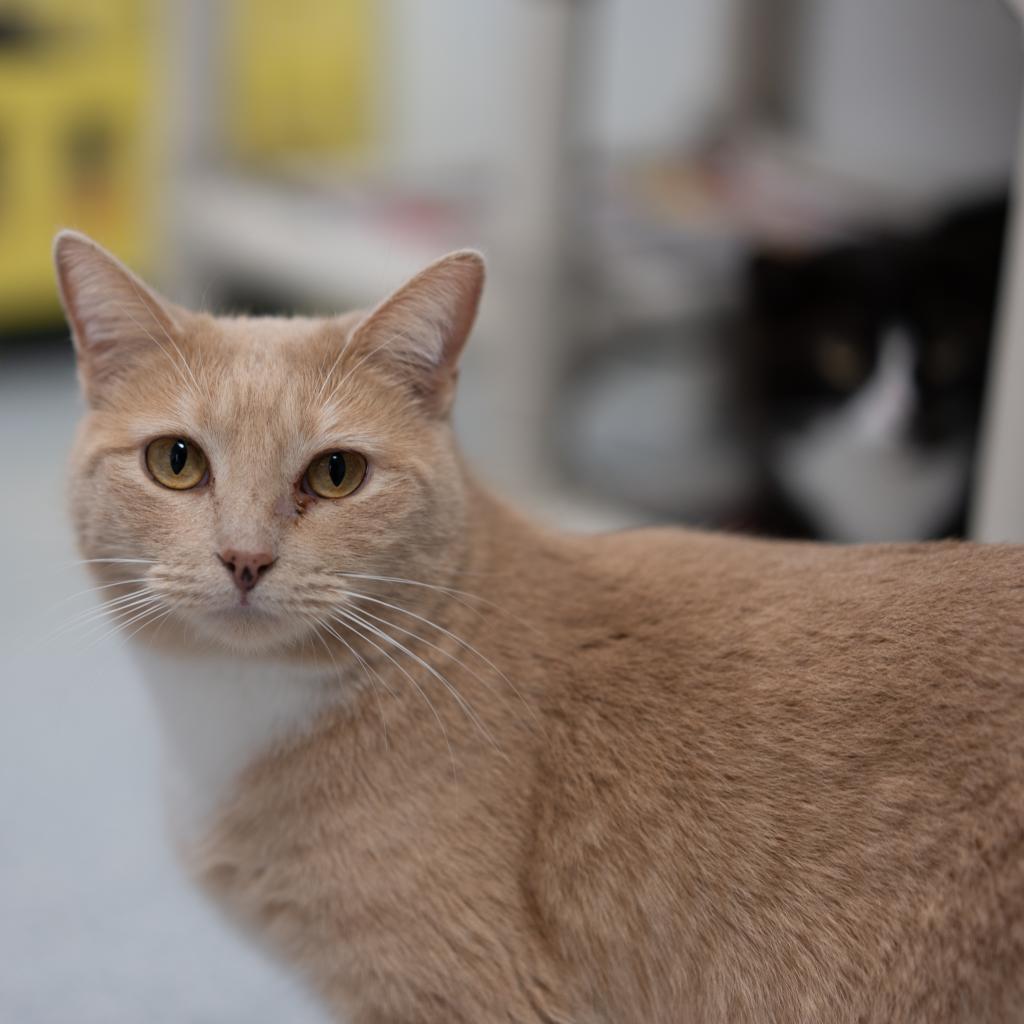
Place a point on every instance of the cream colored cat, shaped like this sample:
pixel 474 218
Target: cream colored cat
pixel 456 768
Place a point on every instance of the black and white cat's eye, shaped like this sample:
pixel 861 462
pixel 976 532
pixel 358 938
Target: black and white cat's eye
pixel 841 363
pixel 176 463
pixel 335 474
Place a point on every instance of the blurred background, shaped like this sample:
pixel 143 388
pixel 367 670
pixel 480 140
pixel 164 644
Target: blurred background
pixel 745 272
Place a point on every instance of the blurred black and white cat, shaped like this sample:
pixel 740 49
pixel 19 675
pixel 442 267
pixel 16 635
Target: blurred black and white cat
pixel 867 369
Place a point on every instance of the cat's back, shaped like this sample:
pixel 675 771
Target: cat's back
pixel 694 631
pixel 809 765
pixel 816 598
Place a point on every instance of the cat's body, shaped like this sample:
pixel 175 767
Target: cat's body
pixel 716 801
pixel 651 776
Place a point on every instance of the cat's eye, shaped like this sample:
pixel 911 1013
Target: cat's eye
pixel 841 363
pixel 945 362
pixel 335 475
pixel 176 463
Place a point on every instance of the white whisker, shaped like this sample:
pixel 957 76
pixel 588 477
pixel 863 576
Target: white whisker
pixel 113 561
pixel 166 334
pixel 94 590
pixel 319 623
pixel 419 689
pixel 423 640
pixel 447 632
pixel 444 590
pixel 150 608
pixel 459 699
pixel 97 613
pixel 447 591
pixel 161 618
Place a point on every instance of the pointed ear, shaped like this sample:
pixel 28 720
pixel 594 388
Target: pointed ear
pixel 114 316
pixel 419 331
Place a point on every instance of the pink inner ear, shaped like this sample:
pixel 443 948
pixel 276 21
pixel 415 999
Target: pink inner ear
pixel 422 327
pixel 112 313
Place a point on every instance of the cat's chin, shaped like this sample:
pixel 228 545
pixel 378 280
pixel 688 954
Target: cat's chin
pixel 244 630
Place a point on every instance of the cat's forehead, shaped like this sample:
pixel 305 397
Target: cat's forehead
pixel 265 345
pixel 265 375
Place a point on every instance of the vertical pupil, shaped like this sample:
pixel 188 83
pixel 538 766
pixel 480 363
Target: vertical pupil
pixel 179 456
pixel 336 468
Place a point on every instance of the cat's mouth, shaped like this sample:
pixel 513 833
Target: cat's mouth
pixel 244 610
pixel 249 626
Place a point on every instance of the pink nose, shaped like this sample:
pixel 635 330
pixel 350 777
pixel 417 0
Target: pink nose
pixel 246 567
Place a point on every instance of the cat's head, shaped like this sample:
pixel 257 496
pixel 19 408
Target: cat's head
pixel 233 469
pixel 824 321
pixel 867 373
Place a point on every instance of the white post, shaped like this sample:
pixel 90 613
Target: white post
pixel 193 30
pixel 998 507
pixel 525 310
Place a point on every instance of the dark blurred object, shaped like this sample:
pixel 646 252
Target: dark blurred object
pixel 866 371
pixel 18 31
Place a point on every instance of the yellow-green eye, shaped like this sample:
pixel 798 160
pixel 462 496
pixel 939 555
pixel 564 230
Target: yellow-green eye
pixel 841 363
pixel 176 463
pixel 336 474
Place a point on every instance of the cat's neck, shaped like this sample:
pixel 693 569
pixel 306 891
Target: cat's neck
pixel 217 713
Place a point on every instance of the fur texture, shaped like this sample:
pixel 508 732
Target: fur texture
pixel 654 776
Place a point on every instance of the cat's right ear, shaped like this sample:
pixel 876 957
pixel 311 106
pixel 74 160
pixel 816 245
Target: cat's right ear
pixel 114 316
pixel 418 332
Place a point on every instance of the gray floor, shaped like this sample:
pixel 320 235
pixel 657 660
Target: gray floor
pixel 96 925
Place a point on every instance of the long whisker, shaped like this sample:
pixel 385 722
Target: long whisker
pixel 150 608
pixel 94 590
pixel 113 561
pixel 444 590
pixel 89 616
pixel 459 699
pixel 447 632
pixel 163 622
pixel 447 591
pixel 166 334
pixel 419 689
pixel 161 618
pixel 318 623
pixel 362 661
pixel 423 640
pixel 101 609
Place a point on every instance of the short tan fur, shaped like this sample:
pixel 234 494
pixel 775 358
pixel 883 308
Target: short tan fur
pixel 454 767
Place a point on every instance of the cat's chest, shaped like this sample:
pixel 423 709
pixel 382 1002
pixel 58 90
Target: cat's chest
pixel 218 714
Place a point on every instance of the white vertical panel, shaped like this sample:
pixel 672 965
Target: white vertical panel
pixel 454 69
pixel 998 513
pixel 917 93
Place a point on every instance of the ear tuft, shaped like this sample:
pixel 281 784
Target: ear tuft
pixel 420 329
pixel 113 314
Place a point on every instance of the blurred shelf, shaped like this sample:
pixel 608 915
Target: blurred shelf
pixel 311 246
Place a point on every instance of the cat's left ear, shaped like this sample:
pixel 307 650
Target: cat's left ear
pixel 419 331
pixel 115 317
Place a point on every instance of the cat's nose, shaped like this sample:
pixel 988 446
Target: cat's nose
pixel 246 567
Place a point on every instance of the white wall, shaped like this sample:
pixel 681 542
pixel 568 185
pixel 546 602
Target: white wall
pixel 912 91
pixel 664 69
pixel 456 73
pixel 901 90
